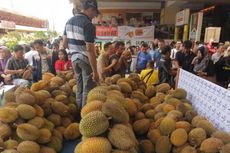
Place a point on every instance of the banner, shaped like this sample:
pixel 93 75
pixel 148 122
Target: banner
pixel 182 17
pixel 130 33
pixel 106 32
pixel 207 98
pixel 195 26
pixel 212 34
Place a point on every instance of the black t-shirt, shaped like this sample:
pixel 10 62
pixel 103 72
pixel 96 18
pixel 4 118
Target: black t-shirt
pixel 120 71
pixel 185 61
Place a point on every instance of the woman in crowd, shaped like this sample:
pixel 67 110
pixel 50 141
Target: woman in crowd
pixel 62 65
pixel 200 62
pixel 4 57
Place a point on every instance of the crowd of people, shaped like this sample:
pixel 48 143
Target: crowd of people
pixel 159 62
pixel 27 63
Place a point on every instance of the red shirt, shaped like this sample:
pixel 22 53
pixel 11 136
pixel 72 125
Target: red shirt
pixel 69 65
pixel 60 65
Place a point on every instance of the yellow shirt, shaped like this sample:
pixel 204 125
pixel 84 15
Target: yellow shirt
pixel 150 80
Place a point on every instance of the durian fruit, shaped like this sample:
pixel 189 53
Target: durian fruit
pixel 164 87
pixel 8 97
pixel 57 80
pixel 154 135
pixel 125 87
pixel 62 98
pixel 167 108
pixel 184 125
pixel 225 148
pixel 189 149
pixel 173 101
pixel 72 132
pixel 25 98
pixel 8 115
pixel 41 96
pixel 55 119
pixel 189 115
pixel 175 114
pixel 211 145
pixel 96 96
pixel 179 137
pixel 163 145
pixel 94 124
pixel 179 93
pixel 10 144
pixel 131 107
pixel 65 121
pixel 57 134
pixel 72 82
pixel 196 119
pixel 5 131
pixel 115 111
pixel 159 116
pixel 37 121
pixel 115 78
pixel 141 127
pixel 146 146
pixel 27 132
pixel 44 136
pixel 179 149
pixel 150 91
pixel 120 139
pixel 94 145
pixel 120 151
pixel 47 76
pixel 150 114
pixel 115 87
pixel 60 108
pixel 48 125
pixel 197 136
pixel 90 107
pixel 139 95
pixel 47 150
pixel 39 111
pixel 10 151
pixel 167 126
pixel 207 126
pixel 28 147
pixel 224 136
pixel 139 116
pixel 55 93
pixel 55 143
pixel 26 111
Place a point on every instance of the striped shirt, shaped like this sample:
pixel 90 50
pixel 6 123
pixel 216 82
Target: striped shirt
pixel 79 30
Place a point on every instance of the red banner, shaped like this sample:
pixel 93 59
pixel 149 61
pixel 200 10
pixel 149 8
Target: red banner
pixel 106 31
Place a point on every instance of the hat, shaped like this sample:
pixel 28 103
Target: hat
pixel 91 4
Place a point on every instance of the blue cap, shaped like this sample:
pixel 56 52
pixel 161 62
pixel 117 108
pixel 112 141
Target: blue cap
pixel 91 4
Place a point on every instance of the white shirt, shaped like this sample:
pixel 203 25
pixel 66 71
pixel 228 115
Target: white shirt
pixel 215 57
pixel 173 53
pixel 29 56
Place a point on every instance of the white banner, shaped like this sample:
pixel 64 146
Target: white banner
pixel 126 32
pixel 208 99
pixel 182 17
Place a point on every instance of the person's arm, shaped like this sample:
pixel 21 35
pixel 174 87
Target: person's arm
pixel 65 42
pixel 9 69
pixel 90 34
pixel 119 63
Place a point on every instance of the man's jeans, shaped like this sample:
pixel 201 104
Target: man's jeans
pixel 85 82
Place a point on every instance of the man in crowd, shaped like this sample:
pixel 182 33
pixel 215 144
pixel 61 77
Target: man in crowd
pixel 184 59
pixel 143 57
pixel 31 54
pixel 117 60
pixel 4 57
pixel 103 61
pixel 19 68
pixel 150 75
pixel 79 37
pixel 156 56
pixel 166 74
pixel 176 49
pixel 54 57
pixel 220 52
pixel 43 63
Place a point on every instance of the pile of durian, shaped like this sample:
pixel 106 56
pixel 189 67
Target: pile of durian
pixel 123 115
pixel 39 119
